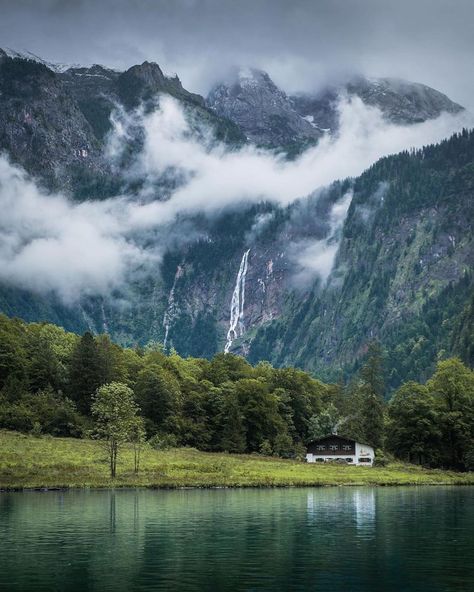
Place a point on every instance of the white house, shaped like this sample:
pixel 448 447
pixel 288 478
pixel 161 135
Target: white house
pixel 337 448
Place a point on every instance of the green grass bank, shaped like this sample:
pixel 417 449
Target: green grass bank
pixel 46 462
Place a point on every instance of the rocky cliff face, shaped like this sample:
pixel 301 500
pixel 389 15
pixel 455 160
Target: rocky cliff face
pixel 42 128
pixel 403 272
pixel 263 111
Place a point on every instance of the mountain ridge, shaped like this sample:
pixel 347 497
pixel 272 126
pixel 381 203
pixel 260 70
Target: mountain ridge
pixel 272 118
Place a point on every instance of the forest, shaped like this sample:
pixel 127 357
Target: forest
pixel 55 382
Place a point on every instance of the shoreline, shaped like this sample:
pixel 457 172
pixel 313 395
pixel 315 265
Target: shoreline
pixel 27 489
pixel 30 463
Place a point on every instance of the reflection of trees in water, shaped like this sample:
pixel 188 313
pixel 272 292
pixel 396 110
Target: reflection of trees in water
pixel 112 513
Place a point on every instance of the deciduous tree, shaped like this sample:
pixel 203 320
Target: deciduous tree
pixel 116 415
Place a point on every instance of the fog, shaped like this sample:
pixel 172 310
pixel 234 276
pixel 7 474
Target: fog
pixel 48 243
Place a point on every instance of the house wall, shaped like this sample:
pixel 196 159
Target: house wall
pixel 365 451
pixel 362 451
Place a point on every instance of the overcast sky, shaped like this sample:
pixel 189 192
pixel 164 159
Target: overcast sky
pixel 302 43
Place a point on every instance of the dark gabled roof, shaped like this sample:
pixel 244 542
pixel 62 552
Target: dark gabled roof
pixel 331 437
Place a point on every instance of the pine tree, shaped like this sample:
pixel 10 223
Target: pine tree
pixel 233 433
pixel 372 372
pixel 85 372
pixel 43 370
pixel 372 390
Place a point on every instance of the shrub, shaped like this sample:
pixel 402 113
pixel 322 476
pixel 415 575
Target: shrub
pixel 16 417
pixel 36 430
pixel 43 412
pixel 380 459
pixel 265 448
pixel 163 441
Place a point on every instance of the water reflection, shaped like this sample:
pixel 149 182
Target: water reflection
pixel 364 504
pixel 358 502
pixel 338 539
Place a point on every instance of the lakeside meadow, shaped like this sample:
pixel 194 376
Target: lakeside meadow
pixel 46 462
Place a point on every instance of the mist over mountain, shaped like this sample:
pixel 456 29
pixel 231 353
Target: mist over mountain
pixel 251 220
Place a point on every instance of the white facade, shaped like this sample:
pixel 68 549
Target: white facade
pixel 364 455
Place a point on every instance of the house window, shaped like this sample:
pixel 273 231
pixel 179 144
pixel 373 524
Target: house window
pixel 321 447
pixel 334 447
pixel 365 460
pixel 346 447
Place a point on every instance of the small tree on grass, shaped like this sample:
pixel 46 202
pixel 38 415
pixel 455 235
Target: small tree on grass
pixel 116 414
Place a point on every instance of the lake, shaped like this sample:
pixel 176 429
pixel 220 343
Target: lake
pixel 333 539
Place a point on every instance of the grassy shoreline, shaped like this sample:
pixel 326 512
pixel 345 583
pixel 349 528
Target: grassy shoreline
pixel 28 462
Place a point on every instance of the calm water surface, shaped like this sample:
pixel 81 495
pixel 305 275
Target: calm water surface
pixel 335 539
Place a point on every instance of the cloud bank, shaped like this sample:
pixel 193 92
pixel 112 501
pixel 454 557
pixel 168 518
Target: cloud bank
pixel 217 178
pixel 48 243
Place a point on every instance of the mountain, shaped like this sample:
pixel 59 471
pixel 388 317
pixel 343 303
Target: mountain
pixel 43 128
pixel 401 102
pixel 263 111
pixel 240 281
pixel 271 118
pixel 54 122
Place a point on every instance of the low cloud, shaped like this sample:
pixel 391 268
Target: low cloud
pixel 217 178
pixel 48 243
pixel 315 259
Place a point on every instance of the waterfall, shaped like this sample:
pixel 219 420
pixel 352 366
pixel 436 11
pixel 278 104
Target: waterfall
pixel 104 319
pixel 89 321
pixel 171 308
pixel 236 324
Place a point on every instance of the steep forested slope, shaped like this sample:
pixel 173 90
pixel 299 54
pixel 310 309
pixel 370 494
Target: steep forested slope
pixel 403 271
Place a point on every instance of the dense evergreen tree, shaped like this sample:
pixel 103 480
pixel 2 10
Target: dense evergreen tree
pixel 12 353
pixel 233 432
pixel 158 395
pixel 260 411
pixel 371 396
pixel 372 372
pixel 86 374
pixel 43 371
pixel 413 430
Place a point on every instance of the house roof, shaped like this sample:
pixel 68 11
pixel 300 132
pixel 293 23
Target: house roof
pixel 335 437
pixel 331 437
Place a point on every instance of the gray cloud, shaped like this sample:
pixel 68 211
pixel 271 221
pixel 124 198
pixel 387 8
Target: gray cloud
pixel 302 43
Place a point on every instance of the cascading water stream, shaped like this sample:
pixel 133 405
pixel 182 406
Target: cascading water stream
pixel 236 324
pixel 171 308
pixel 89 321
